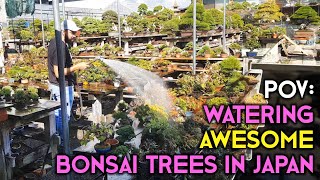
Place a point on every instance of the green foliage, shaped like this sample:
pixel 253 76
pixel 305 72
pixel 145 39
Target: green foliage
pixel 278 30
pixel 20 97
pixel 33 93
pixel 268 12
pixel 101 131
pixel 125 133
pixel 18 73
pixel 110 16
pixel 235 21
pixel 144 64
pixel 186 84
pixel 150 47
pixel 306 15
pixel 230 64
pixel 252 44
pixel 157 8
pixel 142 9
pixel 6 91
pixel 26 35
pixel 121 151
pixel 75 51
pixel 97 72
pixel 213 16
pixel 165 15
pixel 217 101
pixel 235 6
pixel 171 25
pixel 187 19
pixel 218 50
pixel 235 46
pixel 98 50
pixel 205 50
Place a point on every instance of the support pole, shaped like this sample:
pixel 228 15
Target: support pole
pixel 63 10
pixel 43 41
pixel 61 61
pixel 119 21
pixel 224 42
pixel 194 36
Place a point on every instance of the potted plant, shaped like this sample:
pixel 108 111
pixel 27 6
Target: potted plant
pixel 6 91
pixel 175 52
pixel 21 98
pixel 125 133
pixel 128 31
pixel 121 151
pixel 236 48
pixel 252 44
pixel 101 131
pixel 205 51
pixel 102 148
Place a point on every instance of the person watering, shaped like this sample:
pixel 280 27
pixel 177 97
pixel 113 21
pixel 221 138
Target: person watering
pixel 69 31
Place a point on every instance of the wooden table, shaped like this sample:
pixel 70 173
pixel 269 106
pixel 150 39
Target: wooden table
pixel 42 112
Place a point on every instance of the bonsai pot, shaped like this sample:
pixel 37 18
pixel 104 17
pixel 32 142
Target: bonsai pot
pixel 113 34
pixel 102 148
pixel 24 81
pixel 224 55
pixel 186 33
pixel 3 115
pixel 95 84
pixel 219 88
pixel 113 142
pixel 252 54
pixel 207 55
pixel 274 35
pixel 237 54
pixel 128 33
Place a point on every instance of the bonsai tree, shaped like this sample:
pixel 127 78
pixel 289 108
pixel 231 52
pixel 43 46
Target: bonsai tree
pixel 110 16
pixel 175 50
pixel 170 26
pixel 214 17
pixel 205 51
pixel 125 133
pixel 33 94
pixel 6 91
pixel 98 50
pixel 252 44
pixel 121 151
pixel 230 64
pixel 150 47
pixel 235 46
pixel 100 131
pixel 21 98
pixel 217 101
pixel 306 15
pixel 157 9
pixel 187 19
pixel 268 12
pixel 75 51
pixel 142 9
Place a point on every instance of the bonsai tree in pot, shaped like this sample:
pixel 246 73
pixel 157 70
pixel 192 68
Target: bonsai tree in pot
pixel 236 48
pixel 252 44
pixel 175 52
pixel 205 51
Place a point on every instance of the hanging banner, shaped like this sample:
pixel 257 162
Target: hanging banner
pixel 16 8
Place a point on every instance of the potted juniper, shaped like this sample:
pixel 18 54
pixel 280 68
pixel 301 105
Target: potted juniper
pixel 252 44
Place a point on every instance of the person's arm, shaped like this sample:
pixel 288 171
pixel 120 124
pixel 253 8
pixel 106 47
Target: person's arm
pixel 67 71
